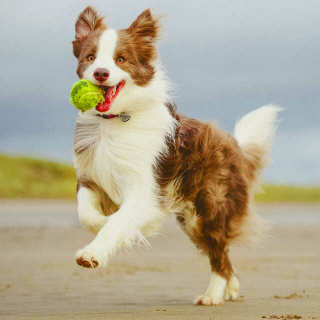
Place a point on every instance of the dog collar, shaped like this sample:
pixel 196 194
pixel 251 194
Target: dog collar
pixel 124 117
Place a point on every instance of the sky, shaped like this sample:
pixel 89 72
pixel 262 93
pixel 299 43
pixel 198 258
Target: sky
pixel 225 57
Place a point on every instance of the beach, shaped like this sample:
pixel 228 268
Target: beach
pixel 39 278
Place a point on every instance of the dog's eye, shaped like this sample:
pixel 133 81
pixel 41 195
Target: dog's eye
pixel 90 57
pixel 120 59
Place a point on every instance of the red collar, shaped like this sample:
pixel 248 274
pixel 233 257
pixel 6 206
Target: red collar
pixel 108 116
pixel 124 117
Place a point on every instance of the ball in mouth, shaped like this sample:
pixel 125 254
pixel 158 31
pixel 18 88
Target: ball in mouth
pixel 110 95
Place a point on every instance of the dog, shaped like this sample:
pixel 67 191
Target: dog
pixel 138 161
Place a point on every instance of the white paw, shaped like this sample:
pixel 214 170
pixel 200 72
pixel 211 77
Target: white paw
pixel 208 300
pixel 232 290
pixel 92 256
pixel 215 292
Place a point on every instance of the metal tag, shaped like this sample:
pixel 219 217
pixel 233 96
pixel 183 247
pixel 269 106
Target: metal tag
pixel 124 117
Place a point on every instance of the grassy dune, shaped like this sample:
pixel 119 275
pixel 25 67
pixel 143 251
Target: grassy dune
pixel 281 193
pixel 22 177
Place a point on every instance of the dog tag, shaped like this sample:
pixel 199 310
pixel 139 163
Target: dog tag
pixel 124 117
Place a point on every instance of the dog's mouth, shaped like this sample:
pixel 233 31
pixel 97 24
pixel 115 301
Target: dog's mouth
pixel 110 95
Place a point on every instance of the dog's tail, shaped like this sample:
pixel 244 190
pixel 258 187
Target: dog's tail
pixel 255 133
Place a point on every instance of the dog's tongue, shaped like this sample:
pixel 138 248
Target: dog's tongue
pixel 106 104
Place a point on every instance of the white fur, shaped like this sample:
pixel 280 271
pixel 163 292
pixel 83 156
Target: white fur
pixel 122 165
pixel 215 292
pixel 89 210
pixel 121 157
pixel 258 126
pixel 232 290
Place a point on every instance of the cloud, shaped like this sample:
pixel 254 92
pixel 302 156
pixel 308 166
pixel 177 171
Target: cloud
pixel 227 57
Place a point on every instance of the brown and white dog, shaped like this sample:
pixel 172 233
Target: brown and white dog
pixel 139 162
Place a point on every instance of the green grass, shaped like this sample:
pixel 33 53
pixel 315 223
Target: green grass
pixel 22 177
pixel 296 194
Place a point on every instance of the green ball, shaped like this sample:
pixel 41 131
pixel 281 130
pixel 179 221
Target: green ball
pixel 85 95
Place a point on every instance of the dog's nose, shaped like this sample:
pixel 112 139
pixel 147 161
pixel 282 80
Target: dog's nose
pixel 101 74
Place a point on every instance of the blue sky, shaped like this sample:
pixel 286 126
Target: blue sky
pixel 226 58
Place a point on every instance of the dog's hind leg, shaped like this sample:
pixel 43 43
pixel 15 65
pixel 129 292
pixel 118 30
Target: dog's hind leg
pixel 232 290
pixel 206 227
pixel 222 277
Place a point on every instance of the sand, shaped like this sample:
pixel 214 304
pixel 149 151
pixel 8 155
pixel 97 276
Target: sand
pixel 39 278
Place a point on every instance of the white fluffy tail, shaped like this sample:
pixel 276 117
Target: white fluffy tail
pixel 258 127
pixel 254 133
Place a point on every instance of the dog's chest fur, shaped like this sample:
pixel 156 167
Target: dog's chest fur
pixel 117 155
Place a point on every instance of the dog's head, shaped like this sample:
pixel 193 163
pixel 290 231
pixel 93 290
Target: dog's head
pixel 124 62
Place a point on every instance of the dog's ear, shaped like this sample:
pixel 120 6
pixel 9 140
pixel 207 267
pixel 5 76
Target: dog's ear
pixel 145 30
pixel 146 26
pixel 88 21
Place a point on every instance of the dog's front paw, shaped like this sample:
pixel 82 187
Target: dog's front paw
pixel 208 300
pixel 91 257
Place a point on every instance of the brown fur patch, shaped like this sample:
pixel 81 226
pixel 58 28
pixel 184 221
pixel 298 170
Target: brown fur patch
pixel 89 28
pixel 214 177
pixel 137 46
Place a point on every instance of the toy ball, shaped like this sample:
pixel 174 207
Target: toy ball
pixel 85 95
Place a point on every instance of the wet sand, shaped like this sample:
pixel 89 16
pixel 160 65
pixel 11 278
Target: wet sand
pixel 39 278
